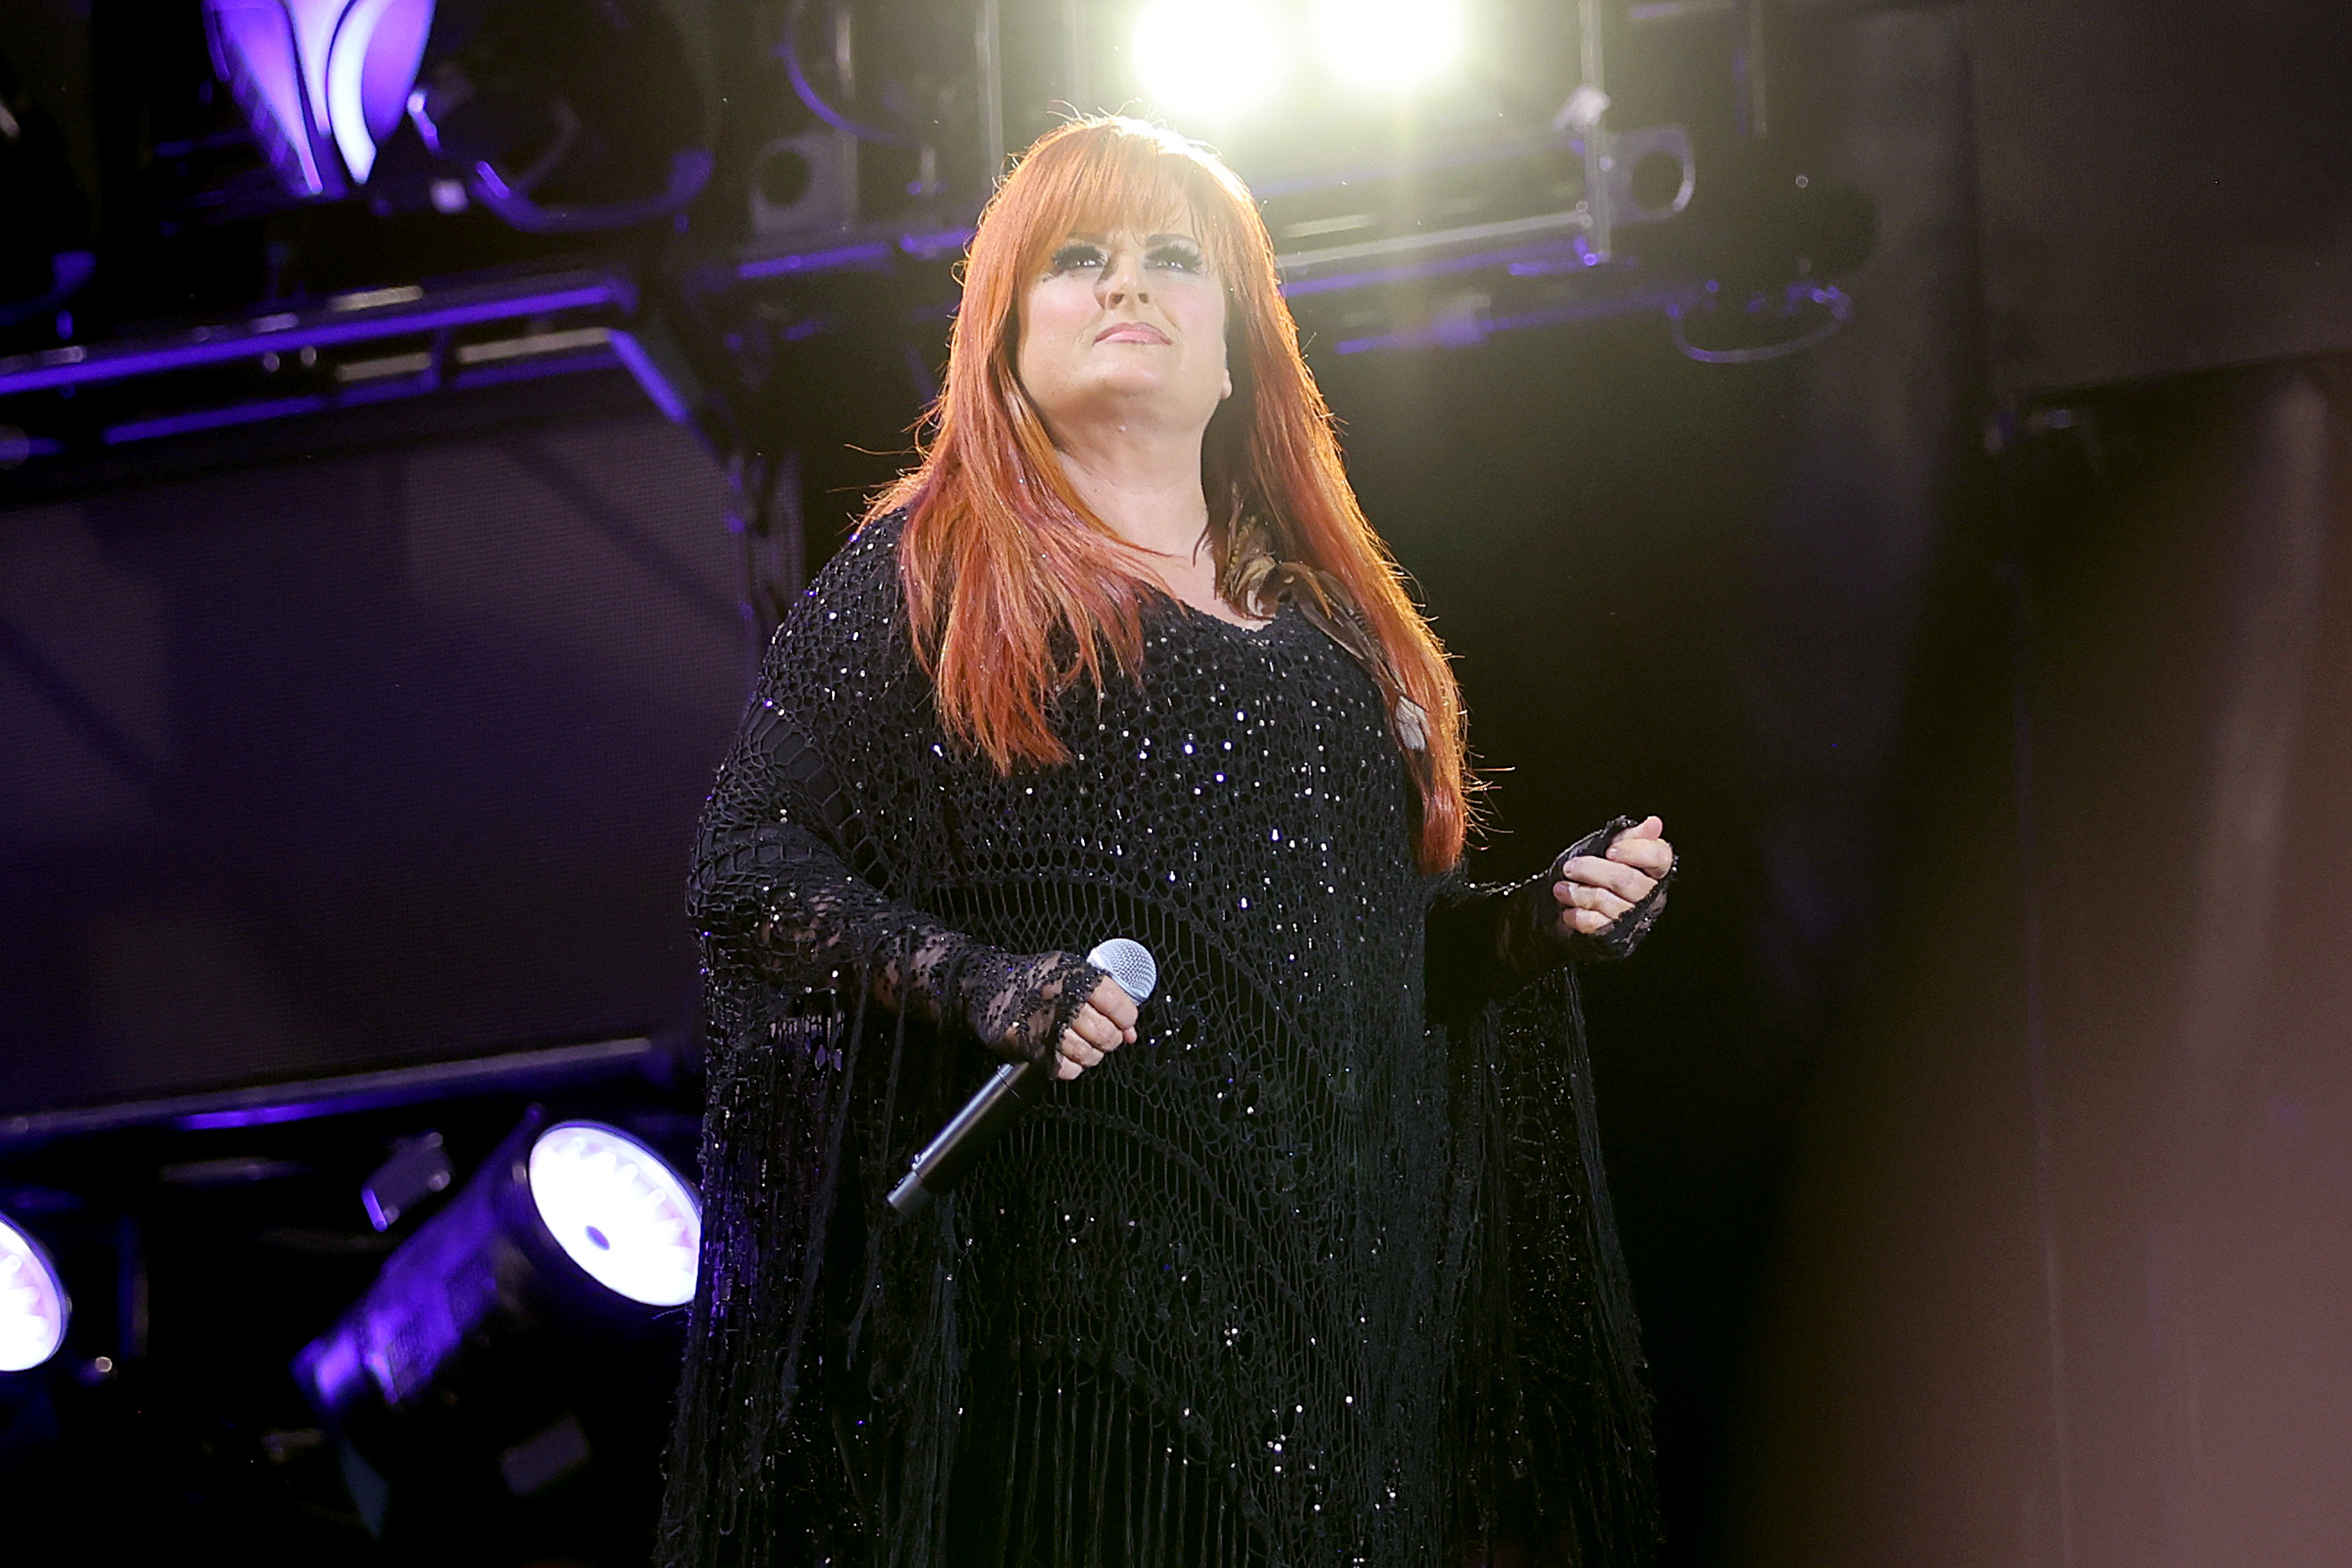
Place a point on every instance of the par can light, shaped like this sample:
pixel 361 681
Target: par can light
pixel 34 1308
pixel 577 1226
pixel 617 1211
pixel 514 1353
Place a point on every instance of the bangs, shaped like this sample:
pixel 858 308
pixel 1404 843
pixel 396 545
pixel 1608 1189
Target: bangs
pixel 1143 181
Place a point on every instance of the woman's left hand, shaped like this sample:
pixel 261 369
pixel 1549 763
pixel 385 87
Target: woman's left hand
pixel 1594 890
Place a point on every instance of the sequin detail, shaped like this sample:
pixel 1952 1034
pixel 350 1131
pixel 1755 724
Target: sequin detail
pixel 1241 1295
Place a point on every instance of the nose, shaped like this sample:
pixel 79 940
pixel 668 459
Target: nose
pixel 1123 279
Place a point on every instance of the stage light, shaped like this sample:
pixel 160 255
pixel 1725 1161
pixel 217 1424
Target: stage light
pixel 580 1222
pixel 522 1338
pixel 1210 58
pixel 34 1308
pixel 617 1211
pixel 257 50
pixel 371 68
pixel 559 114
pixel 1390 44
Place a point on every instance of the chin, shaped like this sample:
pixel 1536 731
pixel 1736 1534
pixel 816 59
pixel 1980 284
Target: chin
pixel 1142 390
pixel 1128 383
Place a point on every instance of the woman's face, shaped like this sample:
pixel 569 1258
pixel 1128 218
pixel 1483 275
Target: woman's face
pixel 1125 326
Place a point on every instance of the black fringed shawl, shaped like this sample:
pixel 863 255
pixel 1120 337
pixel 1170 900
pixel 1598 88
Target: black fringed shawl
pixel 1320 1271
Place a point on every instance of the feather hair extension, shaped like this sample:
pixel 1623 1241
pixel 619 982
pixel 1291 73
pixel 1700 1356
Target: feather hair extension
pixel 1254 580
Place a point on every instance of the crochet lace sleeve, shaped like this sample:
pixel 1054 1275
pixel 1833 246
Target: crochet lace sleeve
pixel 777 896
pixel 1487 940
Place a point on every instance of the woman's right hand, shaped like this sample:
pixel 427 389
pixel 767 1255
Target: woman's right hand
pixel 1104 1023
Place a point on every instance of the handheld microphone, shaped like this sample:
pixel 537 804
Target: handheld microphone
pixel 1013 1089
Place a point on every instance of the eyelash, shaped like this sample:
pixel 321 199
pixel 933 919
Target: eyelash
pixel 1178 258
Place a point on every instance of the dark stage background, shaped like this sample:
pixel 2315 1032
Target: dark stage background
pixel 357 760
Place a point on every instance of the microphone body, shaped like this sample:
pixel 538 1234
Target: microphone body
pixel 1009 1093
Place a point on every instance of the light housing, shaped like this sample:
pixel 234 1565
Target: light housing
pixel 490 1359
pixel 490 1263
pixel 558 114
pixel 35 1309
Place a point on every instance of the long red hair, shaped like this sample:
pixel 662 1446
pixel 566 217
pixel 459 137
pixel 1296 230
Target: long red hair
pixel 1015 589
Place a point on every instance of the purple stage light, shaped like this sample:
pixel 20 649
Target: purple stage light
pixel 323 81
pixel 605 125
pixel 577 1228
pixel 551 1280
pixel 867 253
pixel 275 56
pixel 370 67
pixel 34 1308
pixel 618 1211
pixel 258 51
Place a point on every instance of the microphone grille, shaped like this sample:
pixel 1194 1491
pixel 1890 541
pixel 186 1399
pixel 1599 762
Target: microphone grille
pixel 1128 963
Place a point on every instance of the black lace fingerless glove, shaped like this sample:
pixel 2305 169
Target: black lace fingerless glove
pixel 1018 1004
pixel 1528 940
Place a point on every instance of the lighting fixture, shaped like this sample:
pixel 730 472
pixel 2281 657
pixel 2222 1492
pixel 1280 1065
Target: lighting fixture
pixel 34 1308
pixel 1388 44
pixel 557 114
pixel 617 1211
pixel 371 68
pixel 578 1223
pixel 1211 59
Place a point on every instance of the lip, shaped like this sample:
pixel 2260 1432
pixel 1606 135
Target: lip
pixel 1131 332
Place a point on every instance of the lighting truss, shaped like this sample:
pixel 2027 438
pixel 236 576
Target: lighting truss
pixel 1410 214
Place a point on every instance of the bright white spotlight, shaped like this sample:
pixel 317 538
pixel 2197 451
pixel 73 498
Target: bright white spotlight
pixel 33 1305
pixel 618 1211
pixel 1393 44
pixel 1213 58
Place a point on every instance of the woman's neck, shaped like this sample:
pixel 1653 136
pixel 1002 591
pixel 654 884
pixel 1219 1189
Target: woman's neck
pixel 1144 485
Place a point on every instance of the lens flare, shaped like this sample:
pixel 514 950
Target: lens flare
pixel 618 1211
pixel 1388 44
pixel 1209 58
pixel 33 1305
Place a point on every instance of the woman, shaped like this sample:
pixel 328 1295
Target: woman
pixel 1309 1260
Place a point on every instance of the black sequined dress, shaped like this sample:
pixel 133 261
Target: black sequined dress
pixel 1319 1271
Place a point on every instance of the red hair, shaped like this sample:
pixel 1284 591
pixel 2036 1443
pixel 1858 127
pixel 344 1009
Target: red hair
pixel 1015 589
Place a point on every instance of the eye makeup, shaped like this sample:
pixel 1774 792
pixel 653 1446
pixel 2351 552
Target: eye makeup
pixel 1177 255
pixel 1074 255
pixel 1171 253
